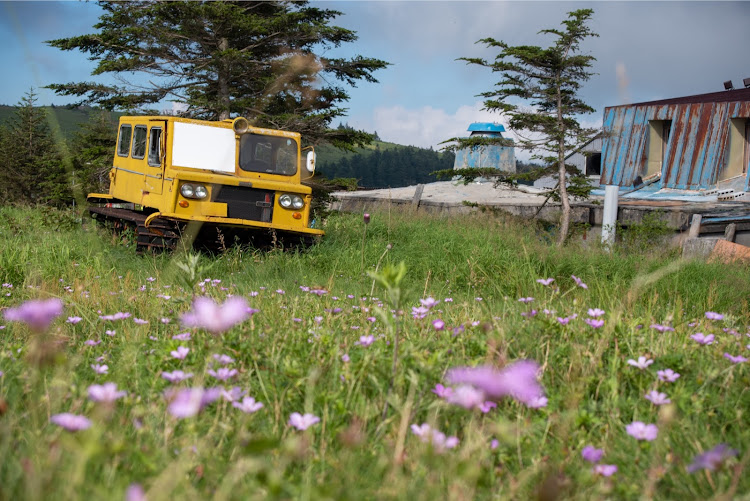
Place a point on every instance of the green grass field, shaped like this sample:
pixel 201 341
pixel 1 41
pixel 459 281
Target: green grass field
pixel 308 350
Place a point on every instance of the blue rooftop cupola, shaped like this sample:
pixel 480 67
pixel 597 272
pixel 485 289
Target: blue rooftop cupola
pixel 493 156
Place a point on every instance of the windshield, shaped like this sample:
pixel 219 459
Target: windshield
pixel 269 154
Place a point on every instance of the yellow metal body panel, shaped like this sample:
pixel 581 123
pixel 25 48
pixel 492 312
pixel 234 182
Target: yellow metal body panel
pixel 151 174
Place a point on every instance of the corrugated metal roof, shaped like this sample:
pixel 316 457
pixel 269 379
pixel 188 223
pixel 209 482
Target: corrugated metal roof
pixel 696 151
pixel 712 97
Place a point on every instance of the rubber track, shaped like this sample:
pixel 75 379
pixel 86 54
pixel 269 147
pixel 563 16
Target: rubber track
pixel 161 235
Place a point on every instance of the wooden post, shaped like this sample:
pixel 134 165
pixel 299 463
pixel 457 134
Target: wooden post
pixel 729 232
pixel 695 226
pixel 417 196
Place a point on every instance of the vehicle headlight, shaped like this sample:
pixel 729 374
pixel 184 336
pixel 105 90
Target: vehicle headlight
pixel 201 191
pixel 198 191
pixel 297 202
pixel 285 201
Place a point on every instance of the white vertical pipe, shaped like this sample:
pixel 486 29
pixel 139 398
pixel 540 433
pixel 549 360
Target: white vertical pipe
pixel 609 218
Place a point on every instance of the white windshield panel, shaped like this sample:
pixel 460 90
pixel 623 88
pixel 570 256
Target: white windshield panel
pixel 203 147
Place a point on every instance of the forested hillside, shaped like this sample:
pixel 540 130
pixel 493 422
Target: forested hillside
pixel 378 165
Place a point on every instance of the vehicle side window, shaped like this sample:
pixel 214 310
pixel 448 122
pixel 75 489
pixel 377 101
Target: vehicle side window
pixel 154 147
pixel 139 142
pixel 123 146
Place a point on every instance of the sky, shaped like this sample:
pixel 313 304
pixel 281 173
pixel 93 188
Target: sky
pixel 645 51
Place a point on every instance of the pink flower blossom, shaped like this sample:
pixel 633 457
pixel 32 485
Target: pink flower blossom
pixel 176 376
pixel 605 470
pixel 563 321
pixel 116 316
pixel 190 401
pixel 91 342
pixel 662 328
pixel 642 362
pixel 545 281
pixel 222 359
pixel 466 396
pixel 486 406
pixel 667 375
pixel 712 315
pixel 106 392
pixel 712 459
pixel 429 302
pixel 74 320
pixel 345 358
pixel 248 405
pixel 594 322
pixel 657 398
pixel 37 314
pixel 436 438
pixel 215 318
pixel 366 340
pixel 100 369
pixel 525 299
pixel 517 380
pixel 185 336
pixel 595 312
pixel 642 431
pixel 302 422
pixel 703 339
pixel 222 373
pixel 735 359
pixel 419 311
pixel 442 391
pixel 140 321
pixel 579 282
pixel 180 353
pixel 438 324
pixel 135 493
pixel 592 454
pixel 537 402
pixel 71 422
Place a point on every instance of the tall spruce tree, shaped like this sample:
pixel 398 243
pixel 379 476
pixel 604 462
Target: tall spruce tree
pixel 256 59
pixel 549 80
pixel 34 170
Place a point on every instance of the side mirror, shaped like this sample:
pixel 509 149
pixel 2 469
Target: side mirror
pixel 311 162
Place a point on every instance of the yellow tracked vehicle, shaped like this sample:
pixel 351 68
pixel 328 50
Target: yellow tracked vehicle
pixel 214 181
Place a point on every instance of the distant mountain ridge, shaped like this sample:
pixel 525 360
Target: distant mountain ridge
pixel 378 165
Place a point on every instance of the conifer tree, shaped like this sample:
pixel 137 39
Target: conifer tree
pixel 257 59
pixel 548 79
pixel 92 149
pixel 34 165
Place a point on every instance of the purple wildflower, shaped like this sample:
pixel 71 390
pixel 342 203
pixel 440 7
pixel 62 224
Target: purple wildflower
pixel 642 431
pixel 486 406
pixel 106 392
pixel 91 342
pixel 185 336
pixel 662 328
pixel 735 359
pixel 116 316
pixel 642 362
pixel 223 359
pixel 563 321
pixel 712 315
pixel 100 369
pixel 466 396
pixel 429 302
pixel 139 321
pixel 222 373
pixel 595 312
pixel 302 422
pixel 594 322
pixel 248 405
pixel 37 314
pixel 180 353
pixel 176 376
pixel 517 380
pixel 436 438
pixel 703 339
pixel 74 320
pixel 579 282
pixel 345 358
pixel 110 332
pixel 189 402
pixel 537 402
pixel 71 422
pixel 419 311
pixel 545 281
pixel 605 470
pixel 657 398
pixel 366 218
pixel 525 299
pixel 438 324
pixel 216 318
pixel 667 375
pixel 592 454
pixel 442 391
pixel 135 493
pixel 366 340
pixel 712 459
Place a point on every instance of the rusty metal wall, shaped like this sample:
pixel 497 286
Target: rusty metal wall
pixel 697 149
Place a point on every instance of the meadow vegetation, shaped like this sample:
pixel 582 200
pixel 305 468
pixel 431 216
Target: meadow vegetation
pixel 341 416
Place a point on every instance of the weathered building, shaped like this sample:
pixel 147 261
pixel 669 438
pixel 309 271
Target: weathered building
pixel 494 156
pixel 699 143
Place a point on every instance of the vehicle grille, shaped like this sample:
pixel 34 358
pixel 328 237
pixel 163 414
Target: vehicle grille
pixel 246 203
